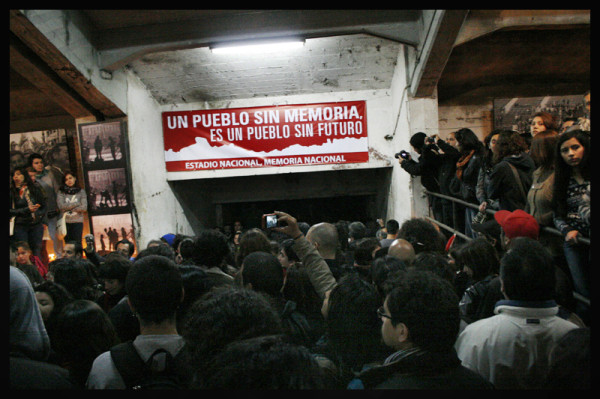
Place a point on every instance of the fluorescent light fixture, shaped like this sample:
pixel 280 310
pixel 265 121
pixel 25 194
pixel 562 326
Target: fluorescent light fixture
pixel 257 47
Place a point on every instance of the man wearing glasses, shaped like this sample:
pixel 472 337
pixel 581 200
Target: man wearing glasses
pixel 420 322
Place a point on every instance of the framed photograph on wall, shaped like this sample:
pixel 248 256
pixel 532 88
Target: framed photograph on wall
pixel 517 113
pixel 109 229
pixel 102 145
pixel 50 144
pixel 107 190
pixel 104 160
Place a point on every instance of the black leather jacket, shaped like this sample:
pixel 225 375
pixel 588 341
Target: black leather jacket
pixel 19 207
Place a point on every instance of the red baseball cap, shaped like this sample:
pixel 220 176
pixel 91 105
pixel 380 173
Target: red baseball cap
pixel 517 224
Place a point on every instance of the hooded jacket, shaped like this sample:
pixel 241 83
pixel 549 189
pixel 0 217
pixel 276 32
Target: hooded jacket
pixel 503 185
pixel 447 169
pixel 428 167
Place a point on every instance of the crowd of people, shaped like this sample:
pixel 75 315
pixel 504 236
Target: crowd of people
pixel 302 307
pixel 329 305
pixel 43 198
pixel 545 172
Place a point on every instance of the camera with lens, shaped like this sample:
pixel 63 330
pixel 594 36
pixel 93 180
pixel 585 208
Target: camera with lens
pixel 429 140
pixel 402 154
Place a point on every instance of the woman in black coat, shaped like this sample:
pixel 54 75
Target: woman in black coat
pixel 512 173
pixel 464 183
pixel 28 207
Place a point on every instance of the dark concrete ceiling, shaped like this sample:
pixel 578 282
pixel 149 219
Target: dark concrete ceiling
pixel 490 59
pixel 518 63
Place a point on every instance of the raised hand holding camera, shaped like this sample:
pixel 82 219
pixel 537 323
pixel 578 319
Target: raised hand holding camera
pixel 287 225
pixel 269 221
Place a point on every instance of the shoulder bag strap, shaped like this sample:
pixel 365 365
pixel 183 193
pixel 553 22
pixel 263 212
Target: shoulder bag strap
pixel 518 178
pixel 128 362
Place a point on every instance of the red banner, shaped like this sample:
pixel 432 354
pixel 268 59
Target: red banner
pixel 287 135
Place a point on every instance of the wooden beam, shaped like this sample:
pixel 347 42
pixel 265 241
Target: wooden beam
pixel 31 37
pixel 40 76
pixel 439 52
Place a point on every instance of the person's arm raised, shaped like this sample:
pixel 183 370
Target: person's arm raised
pixel 318 271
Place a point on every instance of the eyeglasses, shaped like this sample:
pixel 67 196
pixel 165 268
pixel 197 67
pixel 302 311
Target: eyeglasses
pixel 381 313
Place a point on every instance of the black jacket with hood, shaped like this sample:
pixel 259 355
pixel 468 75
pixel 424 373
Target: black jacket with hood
pixel 428 167
pixel 503 184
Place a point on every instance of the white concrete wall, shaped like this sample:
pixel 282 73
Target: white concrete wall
pixel 388 114
pixel 157 211
pixel 400 204
pixel 479 118
pixel 392 117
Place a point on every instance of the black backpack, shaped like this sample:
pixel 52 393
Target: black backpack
pixel 138 374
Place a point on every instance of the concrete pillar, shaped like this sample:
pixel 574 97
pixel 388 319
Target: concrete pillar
pixel 156 210
pixel 423 117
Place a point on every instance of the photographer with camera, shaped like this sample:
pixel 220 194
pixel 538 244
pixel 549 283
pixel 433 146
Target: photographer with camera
pixel 318 270
pixel 427 166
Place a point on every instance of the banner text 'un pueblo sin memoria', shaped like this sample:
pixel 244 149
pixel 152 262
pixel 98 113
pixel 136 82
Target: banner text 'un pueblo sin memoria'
pixel 307 134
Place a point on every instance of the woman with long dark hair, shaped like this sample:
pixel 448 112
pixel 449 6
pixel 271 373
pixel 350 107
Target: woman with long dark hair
pixel 539 197
pixel 464 184
pixel 72 200
pixel 83 332
pixel 28 207
pixel 571 205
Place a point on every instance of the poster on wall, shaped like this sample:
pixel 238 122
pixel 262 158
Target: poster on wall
pixel 110 229
pixel 107 189
pixel 517 113
pixel 104 161
pixel 50 144
pixel 285 135
pixel 102 144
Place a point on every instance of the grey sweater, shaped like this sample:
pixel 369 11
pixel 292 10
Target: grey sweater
pixel 74 204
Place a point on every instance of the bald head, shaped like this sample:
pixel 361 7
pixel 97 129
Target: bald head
pixel 402 250
pixel 324 237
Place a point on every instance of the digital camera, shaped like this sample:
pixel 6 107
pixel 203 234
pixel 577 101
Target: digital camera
pixel 269 221
pixel 402 154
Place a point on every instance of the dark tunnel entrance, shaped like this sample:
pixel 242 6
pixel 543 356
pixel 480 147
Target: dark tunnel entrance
pixel 346 194
pixel 312 210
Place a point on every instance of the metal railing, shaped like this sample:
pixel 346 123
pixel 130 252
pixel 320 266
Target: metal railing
pixel 454 200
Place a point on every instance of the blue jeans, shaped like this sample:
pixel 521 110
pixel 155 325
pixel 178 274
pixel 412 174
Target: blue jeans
pixel 56 243
pixel 578 260
pixel 469 215
pixel 31 234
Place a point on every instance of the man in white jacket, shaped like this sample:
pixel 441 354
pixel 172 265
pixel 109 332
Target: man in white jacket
pixel 512 348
